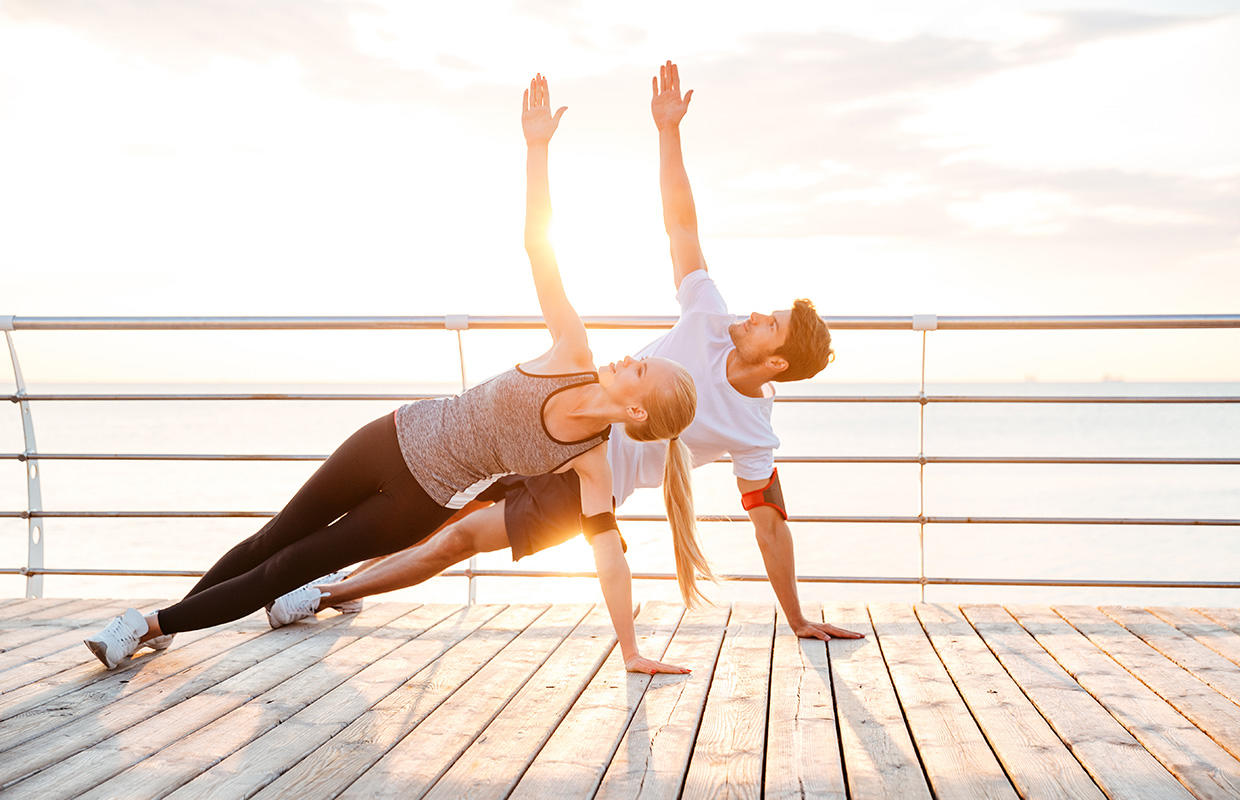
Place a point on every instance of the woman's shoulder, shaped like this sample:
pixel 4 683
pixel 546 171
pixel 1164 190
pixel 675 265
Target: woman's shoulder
pixel 559 361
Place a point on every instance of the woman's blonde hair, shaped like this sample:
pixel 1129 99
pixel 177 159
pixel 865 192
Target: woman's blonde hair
pixel 669 410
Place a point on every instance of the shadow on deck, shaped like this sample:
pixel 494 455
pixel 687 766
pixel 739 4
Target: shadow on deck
pixel 532 701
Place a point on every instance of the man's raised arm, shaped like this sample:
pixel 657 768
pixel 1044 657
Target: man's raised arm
pixel 679 215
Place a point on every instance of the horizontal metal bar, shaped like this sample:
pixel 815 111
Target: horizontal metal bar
pixel 1100 399
pixel 873 579
pixel 1153 460
pixel 671 576
pixel 807 398
pixel 1078 521
pixel 161 457
pixel 169 396
pixel 140 573
pixel 1042 322
pixel 929 520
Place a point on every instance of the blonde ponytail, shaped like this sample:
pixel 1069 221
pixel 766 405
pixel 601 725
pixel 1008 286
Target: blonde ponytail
pixel 678 499
pixel 669 411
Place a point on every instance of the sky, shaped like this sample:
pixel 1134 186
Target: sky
pixel 220 157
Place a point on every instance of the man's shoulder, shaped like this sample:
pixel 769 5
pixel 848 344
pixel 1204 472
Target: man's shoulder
pixel 698 292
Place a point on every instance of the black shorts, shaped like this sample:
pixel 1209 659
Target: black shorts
pixel 540 511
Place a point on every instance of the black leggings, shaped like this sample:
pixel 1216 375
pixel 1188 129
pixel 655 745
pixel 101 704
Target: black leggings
pixel 361 503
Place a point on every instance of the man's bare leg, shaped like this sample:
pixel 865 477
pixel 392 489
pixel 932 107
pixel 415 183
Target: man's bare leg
pixel 479 532
pixel 470 507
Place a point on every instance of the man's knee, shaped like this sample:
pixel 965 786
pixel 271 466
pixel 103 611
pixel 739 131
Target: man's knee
pixel 480 532
pixel 457 540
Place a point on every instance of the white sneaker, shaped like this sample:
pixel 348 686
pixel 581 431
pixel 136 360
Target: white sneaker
pixel 119 639
pixel 348 606
pixel 158 642
pixel 297 604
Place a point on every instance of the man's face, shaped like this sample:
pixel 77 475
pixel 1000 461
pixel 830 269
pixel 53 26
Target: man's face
pixel 758 336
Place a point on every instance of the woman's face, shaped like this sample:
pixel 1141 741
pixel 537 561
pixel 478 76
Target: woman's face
pixel 631 380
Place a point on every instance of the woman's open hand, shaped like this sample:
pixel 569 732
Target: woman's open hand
pixel 651 667
pixel 536 119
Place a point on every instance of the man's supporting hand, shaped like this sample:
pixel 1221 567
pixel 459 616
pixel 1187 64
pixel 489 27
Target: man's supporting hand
pixel 667 106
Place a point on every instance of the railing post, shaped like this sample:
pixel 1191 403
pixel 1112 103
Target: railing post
pixel 458 323
pixel 923 323
pixel 34 494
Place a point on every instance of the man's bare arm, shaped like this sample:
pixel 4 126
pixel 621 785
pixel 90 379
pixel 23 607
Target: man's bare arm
pixel 679 213
pixel 775 542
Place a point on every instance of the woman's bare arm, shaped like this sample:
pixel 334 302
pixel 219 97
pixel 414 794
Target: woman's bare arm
pixel 614 576
pixel 538 124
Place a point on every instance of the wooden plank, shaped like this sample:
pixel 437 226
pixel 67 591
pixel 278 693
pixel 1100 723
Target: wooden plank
pixel 668 715
pixel 343 676
pixel 55 652
pixel 1229 618
pixel 879 758
pixel 45 624
pixel 491 766
pixel 417 760
pixel 137 671
pixel 332 766
pixel 1212 713
pixel 1117 762
pixel 955 755
pixel 19 635
pixel 71 609
pixel 148 730
pixel 1195 624
pixel 11 614
pixel 53 732
pixel 802 741
pixel 727 758
pixel 1034 758
pixel 1190 654
pixel 573 760
pixel 1187 753
pixel 264 759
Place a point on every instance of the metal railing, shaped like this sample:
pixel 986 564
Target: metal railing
pixel 34 570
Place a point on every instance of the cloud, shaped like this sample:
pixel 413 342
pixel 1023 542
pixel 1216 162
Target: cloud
pixel 319 35
pixel 765 116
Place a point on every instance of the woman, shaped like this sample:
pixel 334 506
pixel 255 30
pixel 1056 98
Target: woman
pixel 400 477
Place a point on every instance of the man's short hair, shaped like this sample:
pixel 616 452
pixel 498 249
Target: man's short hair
pixel 808 346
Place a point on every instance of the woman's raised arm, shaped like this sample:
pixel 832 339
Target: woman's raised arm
pixel 539 125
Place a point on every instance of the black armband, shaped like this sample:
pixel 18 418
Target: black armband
pixel 770 495
pixel 595 524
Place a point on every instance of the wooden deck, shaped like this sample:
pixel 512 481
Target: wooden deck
pixel 531 701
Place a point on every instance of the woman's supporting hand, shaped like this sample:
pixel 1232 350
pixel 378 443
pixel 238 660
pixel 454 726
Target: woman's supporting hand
pixel 536 119
pixel 651 667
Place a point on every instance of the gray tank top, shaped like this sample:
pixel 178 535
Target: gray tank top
pixel 457 446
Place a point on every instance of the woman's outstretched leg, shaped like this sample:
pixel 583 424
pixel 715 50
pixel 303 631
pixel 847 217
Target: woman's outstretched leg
pixel 383 523
pixel 368 465
pixel 357 469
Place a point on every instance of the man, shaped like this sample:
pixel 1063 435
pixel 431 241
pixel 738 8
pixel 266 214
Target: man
pixel 732 364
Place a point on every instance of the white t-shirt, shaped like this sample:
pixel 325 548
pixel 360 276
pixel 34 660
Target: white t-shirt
pixel 726 420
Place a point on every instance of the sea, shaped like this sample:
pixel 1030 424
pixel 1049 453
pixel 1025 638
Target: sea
pixel 1041 551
